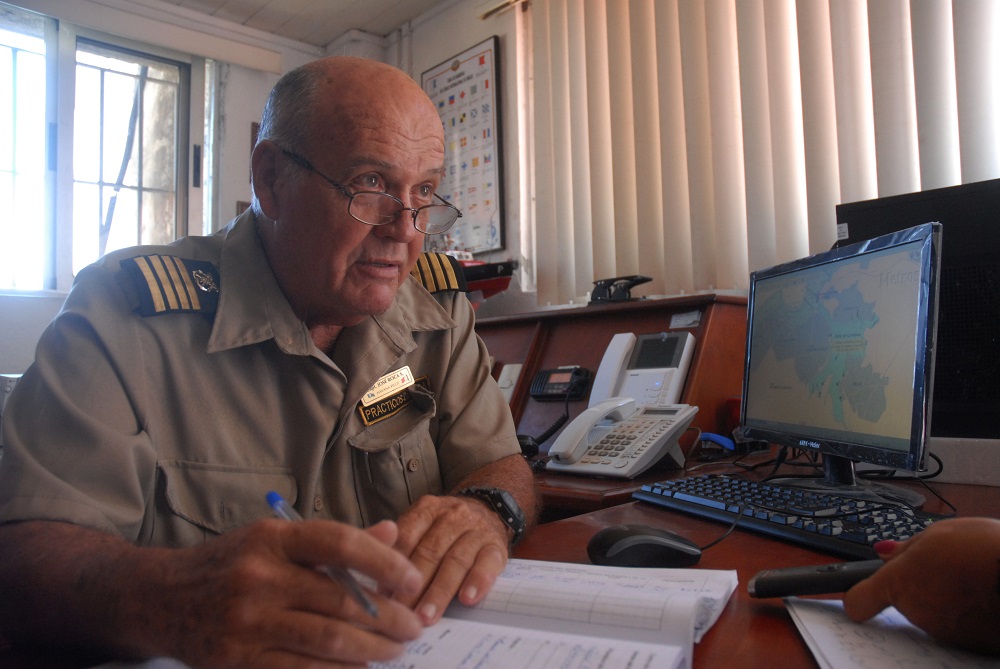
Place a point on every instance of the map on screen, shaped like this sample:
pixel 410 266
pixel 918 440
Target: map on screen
pixel 833 346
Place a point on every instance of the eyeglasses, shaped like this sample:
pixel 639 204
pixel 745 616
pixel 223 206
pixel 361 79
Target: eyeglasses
pixel 375 208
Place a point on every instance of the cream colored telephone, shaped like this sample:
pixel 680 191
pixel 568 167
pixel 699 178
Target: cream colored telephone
pixel 651 368
pixel 617 438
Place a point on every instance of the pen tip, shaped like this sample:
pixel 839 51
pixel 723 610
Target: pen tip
pixel 273 498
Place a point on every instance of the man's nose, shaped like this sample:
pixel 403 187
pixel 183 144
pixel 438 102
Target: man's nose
pixel 403 228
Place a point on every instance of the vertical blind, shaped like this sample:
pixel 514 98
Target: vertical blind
pixel 693 141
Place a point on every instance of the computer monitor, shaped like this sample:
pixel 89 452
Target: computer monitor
pixel 840 357
pixel 967 377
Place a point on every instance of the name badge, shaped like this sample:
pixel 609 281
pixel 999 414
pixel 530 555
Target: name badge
pixel 390 384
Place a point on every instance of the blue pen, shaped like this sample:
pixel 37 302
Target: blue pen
pixel 284 510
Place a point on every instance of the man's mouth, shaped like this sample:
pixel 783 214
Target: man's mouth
pixel 381 268
pixel 383 263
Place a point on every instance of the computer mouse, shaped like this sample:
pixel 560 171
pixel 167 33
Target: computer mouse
pixel 641 546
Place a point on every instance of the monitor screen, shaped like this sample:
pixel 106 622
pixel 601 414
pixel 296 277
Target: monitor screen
pixel 840 352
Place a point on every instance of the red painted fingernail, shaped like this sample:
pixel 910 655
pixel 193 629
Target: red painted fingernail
pixel 885 547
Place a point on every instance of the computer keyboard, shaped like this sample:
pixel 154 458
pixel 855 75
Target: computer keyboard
pixel 839 525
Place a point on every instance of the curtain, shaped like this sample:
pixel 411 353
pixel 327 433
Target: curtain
pixel 693 141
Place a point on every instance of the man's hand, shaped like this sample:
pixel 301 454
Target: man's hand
pixel 945 580
pixel 459 544
pixel 250 598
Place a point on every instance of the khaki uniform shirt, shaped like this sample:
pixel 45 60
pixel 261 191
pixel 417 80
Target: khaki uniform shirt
pixel 169 396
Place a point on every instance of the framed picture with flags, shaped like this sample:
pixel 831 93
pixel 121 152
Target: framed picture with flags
pixel 465 90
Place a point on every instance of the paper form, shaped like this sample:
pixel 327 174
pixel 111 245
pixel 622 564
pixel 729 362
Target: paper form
pixel 576 616
pixel 888 641
pixel 658 605
pixel 465 644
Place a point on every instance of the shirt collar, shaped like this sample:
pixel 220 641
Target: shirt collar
pixel 252 307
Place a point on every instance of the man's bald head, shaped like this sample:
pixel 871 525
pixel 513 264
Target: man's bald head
pixel 338 91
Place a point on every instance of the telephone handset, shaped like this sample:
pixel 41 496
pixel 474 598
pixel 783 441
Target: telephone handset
pixel 617 438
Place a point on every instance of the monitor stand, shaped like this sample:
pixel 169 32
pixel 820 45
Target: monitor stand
pixel 839 479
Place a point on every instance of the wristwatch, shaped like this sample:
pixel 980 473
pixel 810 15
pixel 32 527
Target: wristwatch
pixel 505 506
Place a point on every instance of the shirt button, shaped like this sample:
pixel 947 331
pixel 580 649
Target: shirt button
pixel 317 503
pixel 413 464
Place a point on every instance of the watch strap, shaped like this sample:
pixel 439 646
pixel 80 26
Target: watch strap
pixel 503 504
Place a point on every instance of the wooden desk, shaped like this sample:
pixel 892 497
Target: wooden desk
pixel 751 632
pixel 570 494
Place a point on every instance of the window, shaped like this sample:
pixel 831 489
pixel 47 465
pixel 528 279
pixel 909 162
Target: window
pixel 125 151
pixel 115 177
pixel 22 150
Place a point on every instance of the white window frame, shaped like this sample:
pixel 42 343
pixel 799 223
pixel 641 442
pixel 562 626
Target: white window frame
pixel 63 85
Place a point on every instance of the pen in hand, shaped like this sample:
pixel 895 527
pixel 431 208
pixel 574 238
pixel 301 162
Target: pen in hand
pixel 284 510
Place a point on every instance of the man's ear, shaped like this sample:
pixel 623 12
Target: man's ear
pixel 266 169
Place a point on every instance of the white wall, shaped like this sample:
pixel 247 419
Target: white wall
pixel 243 94
pixel 23 317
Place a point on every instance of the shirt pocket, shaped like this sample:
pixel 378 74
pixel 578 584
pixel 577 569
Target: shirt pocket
pixel 395 460
pixel 203 499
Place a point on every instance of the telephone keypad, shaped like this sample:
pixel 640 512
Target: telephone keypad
pixel 627 441
pixel 613 445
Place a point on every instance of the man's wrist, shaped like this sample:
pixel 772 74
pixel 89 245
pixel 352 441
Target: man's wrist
pixel 502 503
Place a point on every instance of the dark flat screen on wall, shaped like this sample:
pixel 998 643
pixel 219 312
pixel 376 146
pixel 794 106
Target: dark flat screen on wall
pixel 966 388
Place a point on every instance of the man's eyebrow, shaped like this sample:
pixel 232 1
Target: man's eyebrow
pixel 365 163
pixel 362 162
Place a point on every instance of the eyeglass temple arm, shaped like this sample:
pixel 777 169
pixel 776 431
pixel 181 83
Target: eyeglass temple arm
pixel 449 204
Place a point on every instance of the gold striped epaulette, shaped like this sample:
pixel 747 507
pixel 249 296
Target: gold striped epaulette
pixel 168 284
pixel 438 272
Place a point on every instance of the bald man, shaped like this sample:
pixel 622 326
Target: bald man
pixel 291 352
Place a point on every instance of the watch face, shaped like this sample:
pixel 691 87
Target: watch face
pixel 512 506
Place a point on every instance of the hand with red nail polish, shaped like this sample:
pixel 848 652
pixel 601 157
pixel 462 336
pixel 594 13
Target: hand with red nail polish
pixel 945 580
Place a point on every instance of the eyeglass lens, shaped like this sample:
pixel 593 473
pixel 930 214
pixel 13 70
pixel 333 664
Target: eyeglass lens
pixel 381 208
